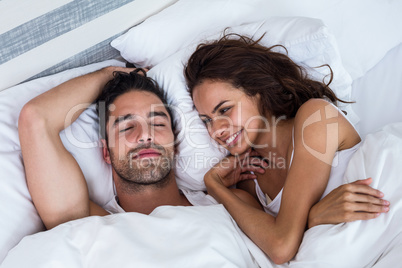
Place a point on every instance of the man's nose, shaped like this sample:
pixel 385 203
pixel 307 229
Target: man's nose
pixel 145 135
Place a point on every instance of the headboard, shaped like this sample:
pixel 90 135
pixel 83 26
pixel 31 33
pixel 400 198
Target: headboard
pixel 46 37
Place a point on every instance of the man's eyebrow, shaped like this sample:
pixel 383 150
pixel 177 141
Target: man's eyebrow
pixel 122 118
pixel 157 113
pixel 132 116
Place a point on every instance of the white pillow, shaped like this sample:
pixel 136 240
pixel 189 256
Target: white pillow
pixel 190 22
pixel 181 24
pixel 17 211
pixel 364 29
pixel 308 42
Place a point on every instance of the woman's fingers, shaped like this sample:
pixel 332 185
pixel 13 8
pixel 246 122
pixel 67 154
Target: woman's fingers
pixel 252 168
pixel 233 169
pixel 362 189
pixel 364 198
pixel 365 181
pixel 259 161
pixel 247 176
pixel 255 162
pixel 365 207
pixel 361 202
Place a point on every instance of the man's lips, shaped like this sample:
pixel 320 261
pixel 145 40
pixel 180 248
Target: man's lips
pixel 146 153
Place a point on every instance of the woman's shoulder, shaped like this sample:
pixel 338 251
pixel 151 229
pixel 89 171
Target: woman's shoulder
pixel 313 105
pixel 319 110
pixel 315 114
pixel 318 117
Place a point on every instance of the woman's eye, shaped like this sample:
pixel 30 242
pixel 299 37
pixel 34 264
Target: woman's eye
pixel 224 110
pixel 158 125
pixel 207 121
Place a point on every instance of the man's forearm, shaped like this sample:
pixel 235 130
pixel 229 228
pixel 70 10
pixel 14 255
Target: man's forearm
pixel 55 180
pixel 55 104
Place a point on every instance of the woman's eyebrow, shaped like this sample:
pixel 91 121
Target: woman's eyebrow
pixel 215 108
pixel 219 105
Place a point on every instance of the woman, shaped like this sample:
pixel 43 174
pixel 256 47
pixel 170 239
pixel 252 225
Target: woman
pixel 289 144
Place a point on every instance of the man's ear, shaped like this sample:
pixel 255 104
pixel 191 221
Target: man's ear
pixel 105 151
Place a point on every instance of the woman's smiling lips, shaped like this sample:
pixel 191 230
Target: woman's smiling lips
pixel 231 141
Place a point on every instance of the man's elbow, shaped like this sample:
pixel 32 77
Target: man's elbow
pixel 57 216
pixel 30 116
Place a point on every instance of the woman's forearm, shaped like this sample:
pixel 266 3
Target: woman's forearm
pixel 278 242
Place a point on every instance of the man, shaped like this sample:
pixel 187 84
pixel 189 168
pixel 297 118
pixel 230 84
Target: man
pixel 139 144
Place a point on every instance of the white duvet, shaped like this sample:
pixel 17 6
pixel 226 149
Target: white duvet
pixel 208 237
pixel 203 236
pixel 370 243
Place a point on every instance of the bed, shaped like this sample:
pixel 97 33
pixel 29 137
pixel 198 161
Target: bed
pixel 43 44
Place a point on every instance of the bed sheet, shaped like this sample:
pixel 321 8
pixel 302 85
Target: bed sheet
pixel 378 94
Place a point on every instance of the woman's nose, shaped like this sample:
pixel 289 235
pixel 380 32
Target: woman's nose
pixel 219 127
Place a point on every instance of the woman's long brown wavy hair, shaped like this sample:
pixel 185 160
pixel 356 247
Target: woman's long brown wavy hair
pixel 283 86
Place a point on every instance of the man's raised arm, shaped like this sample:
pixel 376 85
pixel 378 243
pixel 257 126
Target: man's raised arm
pixel 55 180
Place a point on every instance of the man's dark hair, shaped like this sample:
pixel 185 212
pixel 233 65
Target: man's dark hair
pixel 121 83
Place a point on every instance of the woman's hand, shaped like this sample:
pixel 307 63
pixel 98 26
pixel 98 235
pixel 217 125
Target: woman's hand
pixel 232 169
pixel 349 202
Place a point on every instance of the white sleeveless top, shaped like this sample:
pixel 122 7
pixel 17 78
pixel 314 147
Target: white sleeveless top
pixel 339 165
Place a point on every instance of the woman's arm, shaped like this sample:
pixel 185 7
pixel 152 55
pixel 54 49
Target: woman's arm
pixel 319 132
pixel 55 180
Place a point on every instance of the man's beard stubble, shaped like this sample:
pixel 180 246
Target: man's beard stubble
pixel 136 175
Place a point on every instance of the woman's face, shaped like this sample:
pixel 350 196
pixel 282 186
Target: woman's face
pixel 231 117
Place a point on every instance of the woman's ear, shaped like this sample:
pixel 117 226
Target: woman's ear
pixel 105 151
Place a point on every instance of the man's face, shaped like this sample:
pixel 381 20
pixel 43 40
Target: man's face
pixel 140 138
